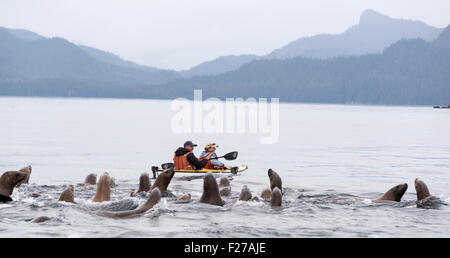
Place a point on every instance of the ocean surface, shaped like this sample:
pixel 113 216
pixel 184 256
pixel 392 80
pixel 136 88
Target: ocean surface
pixel 323 151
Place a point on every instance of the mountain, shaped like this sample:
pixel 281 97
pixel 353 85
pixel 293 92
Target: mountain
pixel 373 33
pixel 24 34
pixel 28 60
pixel 443 41
pixel 100 55
pixel 409 72
pixel 110 58
pixel 219 65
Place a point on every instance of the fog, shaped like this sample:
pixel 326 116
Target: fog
pixel 178 34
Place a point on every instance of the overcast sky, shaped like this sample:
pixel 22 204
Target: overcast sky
pixel 178 34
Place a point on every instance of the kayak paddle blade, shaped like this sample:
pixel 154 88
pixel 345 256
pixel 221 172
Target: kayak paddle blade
pixel 167 165
pixel 231 156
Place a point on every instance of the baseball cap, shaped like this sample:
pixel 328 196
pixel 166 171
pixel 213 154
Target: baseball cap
pixel 190 143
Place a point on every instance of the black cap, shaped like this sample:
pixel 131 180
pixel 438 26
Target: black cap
pixel 190 143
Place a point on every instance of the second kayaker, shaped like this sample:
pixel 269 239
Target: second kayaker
pixel 184 157
pixel 209 154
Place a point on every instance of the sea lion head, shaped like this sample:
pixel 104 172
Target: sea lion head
pixel 245 194
pixel 27 170
pixel 421 189
pixel 67 195
pixel 91 179
pixel 163 180
pixel 144 183
pixel 40 219
pixel 184 199
pixel 275 180
pixel 266 194
pixel 395 193
pixel 9 180
pixel 103 188
pixel 224 186
pixel 276 198
pixel 224 182
pixel 211 193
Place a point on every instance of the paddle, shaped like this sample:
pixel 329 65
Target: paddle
pixel 167 165
pixel 229 156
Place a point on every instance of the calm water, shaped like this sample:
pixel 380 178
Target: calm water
pixel 324 150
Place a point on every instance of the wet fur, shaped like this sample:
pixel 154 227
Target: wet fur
pixel 9 180
pixel 90 179
pixel 27 170
pixel 103 193
pixel 224 186
pixel 211 193
pixel 245 194
pixel 275 180
pixel 153 199
pixel 394 194
pixel 163 180
pixel 67 195
pixel 276 197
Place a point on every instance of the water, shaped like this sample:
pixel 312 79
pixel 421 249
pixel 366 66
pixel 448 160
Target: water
pixel 323 151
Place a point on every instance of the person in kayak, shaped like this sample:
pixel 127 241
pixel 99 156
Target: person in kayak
pixel 210 155
pixel 184 157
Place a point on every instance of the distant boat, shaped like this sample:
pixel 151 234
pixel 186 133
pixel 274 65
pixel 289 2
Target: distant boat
pixel 442 106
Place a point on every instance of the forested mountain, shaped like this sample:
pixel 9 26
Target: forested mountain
pixel 25 57
pixel 373 33
pixel 410 72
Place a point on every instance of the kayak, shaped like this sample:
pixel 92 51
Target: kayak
pixel 226 170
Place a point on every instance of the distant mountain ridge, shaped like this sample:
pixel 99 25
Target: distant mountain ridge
pixel 219 65
pixel 443 41
pixel 26 56
pixel 373 33
pixel 408 72
pixel 100 55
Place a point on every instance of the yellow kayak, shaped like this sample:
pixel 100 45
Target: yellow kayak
pixel 226 170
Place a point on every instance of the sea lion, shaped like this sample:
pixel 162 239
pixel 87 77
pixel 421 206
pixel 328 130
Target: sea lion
pixel 153 199
pixel 91 179
pixel 40 219
pixel 26 170
pixel 8 181
pixel 424 198
pixel 394 194
pixel 144 184
pixel 266 194
pixel 34 195
pixel 211 193
pixel 275 180
pixel 163 180
pixel 103 193
pixel 184 199
pixel 245 194
pixel 276 197
pixel 67 195
pixel 224 186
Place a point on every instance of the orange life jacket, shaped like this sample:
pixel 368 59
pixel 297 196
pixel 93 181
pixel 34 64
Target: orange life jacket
pixel 181 162
pixel 209 165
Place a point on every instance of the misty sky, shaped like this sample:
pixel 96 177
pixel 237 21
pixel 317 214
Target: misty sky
pixel 178 34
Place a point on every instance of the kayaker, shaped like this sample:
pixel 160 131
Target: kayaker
pixel 209 154
pixel 184 157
